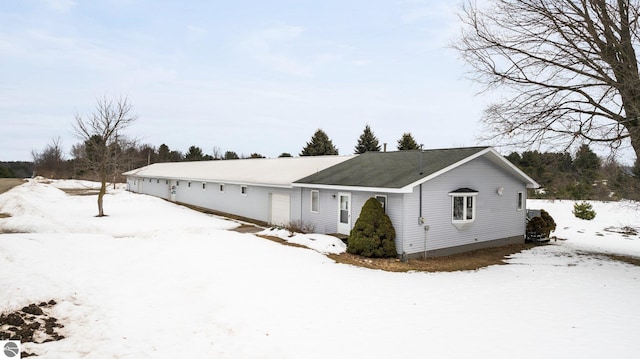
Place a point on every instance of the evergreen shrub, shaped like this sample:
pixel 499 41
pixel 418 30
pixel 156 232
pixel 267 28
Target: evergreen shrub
pixel 373 234
pixel 542 225
pixel 584 210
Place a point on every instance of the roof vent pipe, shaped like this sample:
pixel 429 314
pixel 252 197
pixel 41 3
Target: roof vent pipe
pixel 421 158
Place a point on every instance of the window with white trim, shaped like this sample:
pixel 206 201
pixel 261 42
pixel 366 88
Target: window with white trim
pixel 520 201
pixel 383 201
pixel 243 190
pixel 315 201
pixel 463 207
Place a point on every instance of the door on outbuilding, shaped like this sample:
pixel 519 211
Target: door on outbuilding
pixel 280 208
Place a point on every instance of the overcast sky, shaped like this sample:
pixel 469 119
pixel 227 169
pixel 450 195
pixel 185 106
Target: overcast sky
pixel 244 76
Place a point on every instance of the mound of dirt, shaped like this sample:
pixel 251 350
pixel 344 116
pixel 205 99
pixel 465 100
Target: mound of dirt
pixel 31 324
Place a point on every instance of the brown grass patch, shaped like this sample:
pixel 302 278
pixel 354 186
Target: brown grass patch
pixel 473 260
pixel 80 191
pixel 625 259
pixel 8 183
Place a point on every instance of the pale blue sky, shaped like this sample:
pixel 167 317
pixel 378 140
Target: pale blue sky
pixel 245 76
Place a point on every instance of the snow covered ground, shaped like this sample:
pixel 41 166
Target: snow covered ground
pixel 156 280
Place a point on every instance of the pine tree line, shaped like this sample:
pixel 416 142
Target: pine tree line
pixel 582 175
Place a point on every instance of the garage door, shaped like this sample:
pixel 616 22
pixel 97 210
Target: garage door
pixel 280 209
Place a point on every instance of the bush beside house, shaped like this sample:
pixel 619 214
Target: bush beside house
pixel 373 234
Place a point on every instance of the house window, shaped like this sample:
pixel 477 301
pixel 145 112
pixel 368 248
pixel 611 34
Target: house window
pixel 520 201
pixel 204 186
pixel 158 181
pixel 189 184
pixel 463 207
pixel 221 187
pixel 315 201
pixel 383 201
pixel 243 190
pixel 177 183
pixel 166 181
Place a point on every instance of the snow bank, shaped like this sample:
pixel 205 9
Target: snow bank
pixel 319 242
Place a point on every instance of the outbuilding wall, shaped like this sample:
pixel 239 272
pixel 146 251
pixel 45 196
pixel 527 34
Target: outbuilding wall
pixel 497 220
pixel 254 204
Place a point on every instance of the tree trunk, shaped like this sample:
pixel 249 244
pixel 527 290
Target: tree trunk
pixel 103 190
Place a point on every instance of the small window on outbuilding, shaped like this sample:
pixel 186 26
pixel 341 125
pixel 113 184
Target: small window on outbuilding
pixel 315 201
pixel 204 186
pixel 189 184
pixel 158 180
pixel 221 187
pixel 520 201
pixel 243 190
pixel 177 183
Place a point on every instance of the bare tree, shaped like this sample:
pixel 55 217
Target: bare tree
pixel 569 69
pixel 104 150
pixel 50 162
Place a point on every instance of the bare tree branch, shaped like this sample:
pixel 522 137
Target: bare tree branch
pixel 569 68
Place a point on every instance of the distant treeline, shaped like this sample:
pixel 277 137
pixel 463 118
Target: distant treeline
pixel 582 175
pixel 19 169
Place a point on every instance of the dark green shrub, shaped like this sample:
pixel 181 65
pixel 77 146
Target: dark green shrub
pixel 373 234
pixel 550 224
pixel 584 210
pixel 542 225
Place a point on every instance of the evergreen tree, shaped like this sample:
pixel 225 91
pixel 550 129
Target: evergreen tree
pixel 231 155
pixel 163 153
pixel 406 142
pixel 367 142
pixel 194 154
pixel 373 234
pixel 256 155
pixel 319 145
pixel 175 156
pixel 587 164
pixel 285 154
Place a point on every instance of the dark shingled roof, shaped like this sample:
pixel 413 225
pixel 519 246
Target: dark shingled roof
pixel 389 169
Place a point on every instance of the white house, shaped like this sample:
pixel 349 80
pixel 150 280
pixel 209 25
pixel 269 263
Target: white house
pixel 440 201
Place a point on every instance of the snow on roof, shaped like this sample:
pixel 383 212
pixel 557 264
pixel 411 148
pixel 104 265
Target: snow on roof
pixel 259 171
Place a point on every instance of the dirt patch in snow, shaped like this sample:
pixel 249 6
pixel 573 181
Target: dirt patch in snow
pixel 473 260
pixel 31 324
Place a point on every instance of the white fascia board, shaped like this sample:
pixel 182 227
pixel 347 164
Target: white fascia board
pixel 531 182
pixel 352 188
